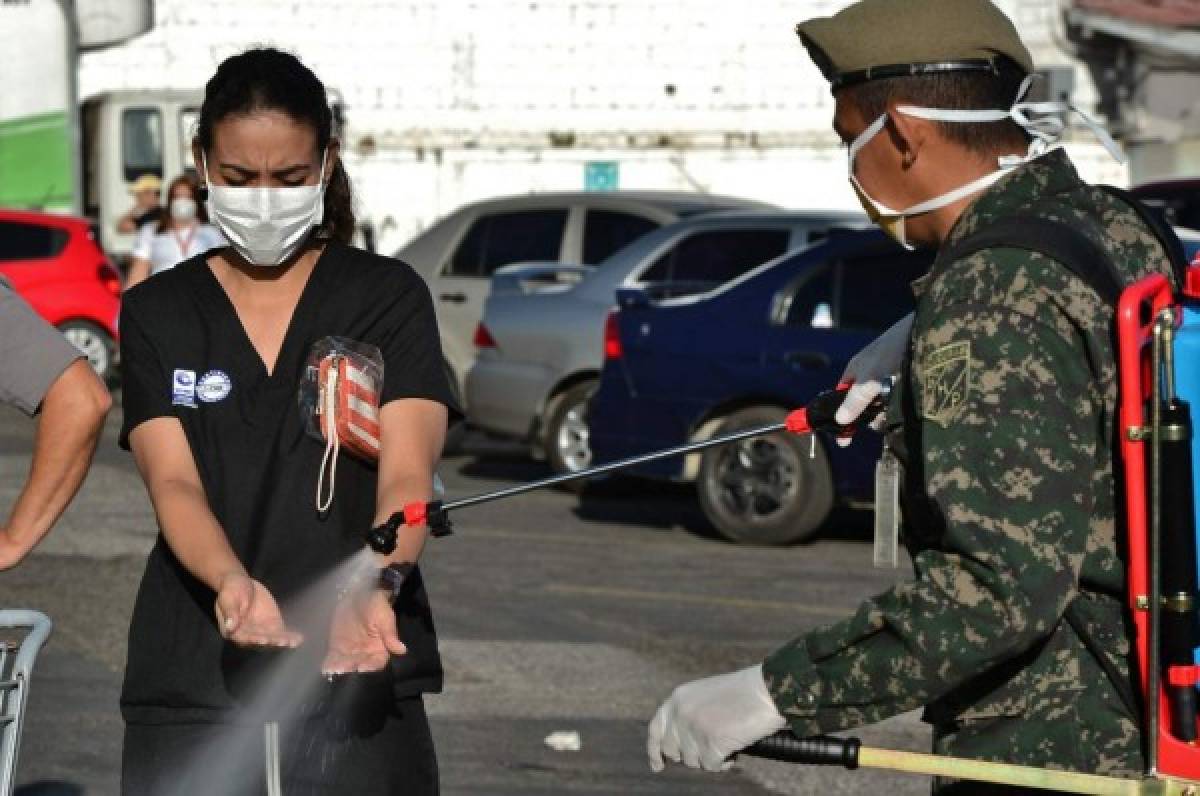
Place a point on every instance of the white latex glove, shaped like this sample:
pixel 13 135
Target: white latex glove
pixel 868 370
pixel 707 721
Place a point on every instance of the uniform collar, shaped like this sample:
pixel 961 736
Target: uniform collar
pixel 1049 174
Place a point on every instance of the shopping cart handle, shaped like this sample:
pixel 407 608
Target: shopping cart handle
pixel 820 750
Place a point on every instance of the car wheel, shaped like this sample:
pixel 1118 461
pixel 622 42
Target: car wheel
pixel 770 490
pixel 565 437
pixel 93 343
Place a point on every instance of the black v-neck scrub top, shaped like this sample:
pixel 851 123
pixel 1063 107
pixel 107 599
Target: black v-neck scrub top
pixel 185 354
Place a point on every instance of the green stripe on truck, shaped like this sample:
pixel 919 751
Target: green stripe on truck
pixel 35 162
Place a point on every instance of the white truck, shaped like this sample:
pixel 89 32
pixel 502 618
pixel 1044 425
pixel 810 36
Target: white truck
pixel 60 155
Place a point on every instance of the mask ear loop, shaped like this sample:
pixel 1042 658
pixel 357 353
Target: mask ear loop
pixel 1046 131
pixel 332 443
pixel 864 138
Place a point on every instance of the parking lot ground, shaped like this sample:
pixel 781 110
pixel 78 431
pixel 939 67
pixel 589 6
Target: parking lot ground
pixel 555 613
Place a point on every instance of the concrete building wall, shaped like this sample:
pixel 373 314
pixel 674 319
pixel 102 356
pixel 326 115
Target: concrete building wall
pixel 453 100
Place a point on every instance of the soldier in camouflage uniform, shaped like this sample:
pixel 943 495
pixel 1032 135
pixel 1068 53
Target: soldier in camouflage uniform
pixel 1004 419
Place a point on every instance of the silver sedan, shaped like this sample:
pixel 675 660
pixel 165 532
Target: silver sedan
pixel 541 341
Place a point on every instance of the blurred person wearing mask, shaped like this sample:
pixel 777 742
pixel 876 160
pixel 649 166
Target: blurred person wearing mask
pixel 47 378
pixel 147 205
pixel 1013 634
pixel 213 354
pixel 181 233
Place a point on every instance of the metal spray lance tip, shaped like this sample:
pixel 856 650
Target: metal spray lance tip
pixel 382 538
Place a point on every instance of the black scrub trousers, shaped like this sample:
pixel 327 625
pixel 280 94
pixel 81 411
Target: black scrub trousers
pixel 185 355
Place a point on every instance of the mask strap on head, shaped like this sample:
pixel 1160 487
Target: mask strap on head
pixel 866 135
pixel 329 426
pixel 1041 120
pixel 973 187
pixel 962 192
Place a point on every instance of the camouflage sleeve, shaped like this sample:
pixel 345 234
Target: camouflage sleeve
pixel 1010 427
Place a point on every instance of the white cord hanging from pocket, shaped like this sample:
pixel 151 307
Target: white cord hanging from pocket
pixel 328 419
pixel 339 397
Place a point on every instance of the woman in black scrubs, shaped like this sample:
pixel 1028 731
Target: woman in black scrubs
pixel 213 353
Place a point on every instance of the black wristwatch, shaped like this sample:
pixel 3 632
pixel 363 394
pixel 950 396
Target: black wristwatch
pixel 392 577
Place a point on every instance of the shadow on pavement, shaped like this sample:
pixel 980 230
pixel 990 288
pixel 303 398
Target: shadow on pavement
pixel 49 788
pixel 633 501
pixel 516 468
pixel 848 525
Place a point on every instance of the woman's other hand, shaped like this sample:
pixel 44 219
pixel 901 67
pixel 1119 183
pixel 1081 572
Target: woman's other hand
pixel 248 615
pixel 363 636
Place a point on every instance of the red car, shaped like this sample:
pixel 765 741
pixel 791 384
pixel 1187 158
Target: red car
pixel 55 264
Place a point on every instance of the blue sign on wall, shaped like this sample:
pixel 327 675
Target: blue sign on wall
pixel 601 175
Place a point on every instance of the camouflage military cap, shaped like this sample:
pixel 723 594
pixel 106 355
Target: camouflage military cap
pixel 874 39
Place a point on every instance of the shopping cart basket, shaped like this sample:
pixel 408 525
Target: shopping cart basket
pixel 22 634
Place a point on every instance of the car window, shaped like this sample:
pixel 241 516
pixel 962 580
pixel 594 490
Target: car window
pixel 862 293
pixel 716 256
pixel 189 121
pixel 605 231
pixel 812 300
pixel 506 238
pixel 141 142
pixel 876 291
pixel 20 241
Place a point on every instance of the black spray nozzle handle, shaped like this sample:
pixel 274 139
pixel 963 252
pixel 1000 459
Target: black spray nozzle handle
pixel 382 538
pixel 820 414
pixel 820 750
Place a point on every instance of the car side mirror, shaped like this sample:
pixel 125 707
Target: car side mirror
pixel 822 317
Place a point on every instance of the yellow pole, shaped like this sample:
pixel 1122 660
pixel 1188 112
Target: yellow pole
pixel 1024 776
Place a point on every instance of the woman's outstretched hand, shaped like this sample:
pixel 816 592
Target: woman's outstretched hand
pixel 363 635
pixel 248 615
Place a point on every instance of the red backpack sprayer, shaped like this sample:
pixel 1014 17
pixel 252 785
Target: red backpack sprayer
pixel 1158 336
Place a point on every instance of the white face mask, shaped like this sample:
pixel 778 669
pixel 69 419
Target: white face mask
pixel 183 209
pixel 266 226
pixel 1045 131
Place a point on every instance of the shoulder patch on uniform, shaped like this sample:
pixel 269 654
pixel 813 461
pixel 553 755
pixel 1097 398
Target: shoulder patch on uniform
pixel 946 379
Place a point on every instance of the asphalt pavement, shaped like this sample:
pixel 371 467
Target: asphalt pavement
pixel 556 613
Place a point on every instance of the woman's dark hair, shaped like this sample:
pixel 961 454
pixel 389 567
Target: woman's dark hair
pixel 164 221
pixel 266 79
pixel 956 90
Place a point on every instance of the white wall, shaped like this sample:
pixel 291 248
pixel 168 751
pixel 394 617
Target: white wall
pixel 497 72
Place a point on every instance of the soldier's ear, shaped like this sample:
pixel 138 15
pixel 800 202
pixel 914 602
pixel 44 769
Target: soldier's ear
pixel 909 134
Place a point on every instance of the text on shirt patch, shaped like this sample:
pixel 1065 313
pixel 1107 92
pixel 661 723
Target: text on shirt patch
pixel 946 374
pixel 215 385
pixel 183 388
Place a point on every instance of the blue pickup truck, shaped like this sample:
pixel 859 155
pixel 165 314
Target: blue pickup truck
pixel 685 369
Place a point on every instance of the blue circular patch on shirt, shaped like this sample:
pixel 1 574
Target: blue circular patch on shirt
pixel 213 386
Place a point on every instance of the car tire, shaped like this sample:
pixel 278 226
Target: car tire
pixel 771 490
pixel 565 431
pixel 95 344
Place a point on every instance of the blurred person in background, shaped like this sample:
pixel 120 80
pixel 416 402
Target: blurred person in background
pixel 181 232
pixel 44 376
pixel 147 204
